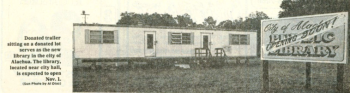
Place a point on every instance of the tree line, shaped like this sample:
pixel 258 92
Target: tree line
pixel 251 22
pixel 291 8
pixel 155 19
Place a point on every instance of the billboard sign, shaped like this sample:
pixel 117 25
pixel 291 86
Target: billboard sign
pixel 315 38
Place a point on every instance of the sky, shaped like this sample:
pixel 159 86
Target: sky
pixel 108 11
pixel 220 10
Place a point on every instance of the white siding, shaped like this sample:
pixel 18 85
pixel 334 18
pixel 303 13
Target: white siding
pixel 131 43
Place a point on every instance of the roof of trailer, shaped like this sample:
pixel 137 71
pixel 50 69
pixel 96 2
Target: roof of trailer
pixel 160 27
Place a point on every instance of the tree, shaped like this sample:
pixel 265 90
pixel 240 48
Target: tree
pixel 167 20
pixel 238 23
pixel 154 19
pixel 200 26
pixel 126 19
pixel 227 24
pixel 308 7
pixel 184 20
pixel 210 21
pixel 253 20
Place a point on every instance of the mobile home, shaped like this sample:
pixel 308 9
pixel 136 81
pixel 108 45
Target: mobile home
pixel 101 42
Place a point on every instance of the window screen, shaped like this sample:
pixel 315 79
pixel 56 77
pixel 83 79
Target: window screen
pixel 238 39
pixel 180 38
pixel 97 36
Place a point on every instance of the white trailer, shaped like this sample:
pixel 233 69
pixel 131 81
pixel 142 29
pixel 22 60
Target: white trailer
pixel 102 42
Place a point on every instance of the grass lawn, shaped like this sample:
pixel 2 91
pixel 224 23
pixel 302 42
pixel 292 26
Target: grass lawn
pixel 233 77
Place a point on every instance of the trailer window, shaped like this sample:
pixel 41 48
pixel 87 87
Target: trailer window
pixel 108 37
pixel 181 38
pixel 186 38
pixel 239 39
pixel 95 37
pixel 243 39
pixel 149 41
pixel 98 37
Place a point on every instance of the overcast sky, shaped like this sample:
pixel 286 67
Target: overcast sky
pixel 198 9
pixel 59 15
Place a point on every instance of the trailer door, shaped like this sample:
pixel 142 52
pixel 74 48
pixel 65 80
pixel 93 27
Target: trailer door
pixel 150 43
pixel 206 40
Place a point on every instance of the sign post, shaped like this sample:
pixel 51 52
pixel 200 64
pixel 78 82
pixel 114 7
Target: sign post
pixel 265 76
pixel 340 77
pixel 308 77
pixel 316 38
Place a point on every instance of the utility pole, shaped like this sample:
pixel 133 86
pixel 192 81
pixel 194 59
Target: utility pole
pixel 84 16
